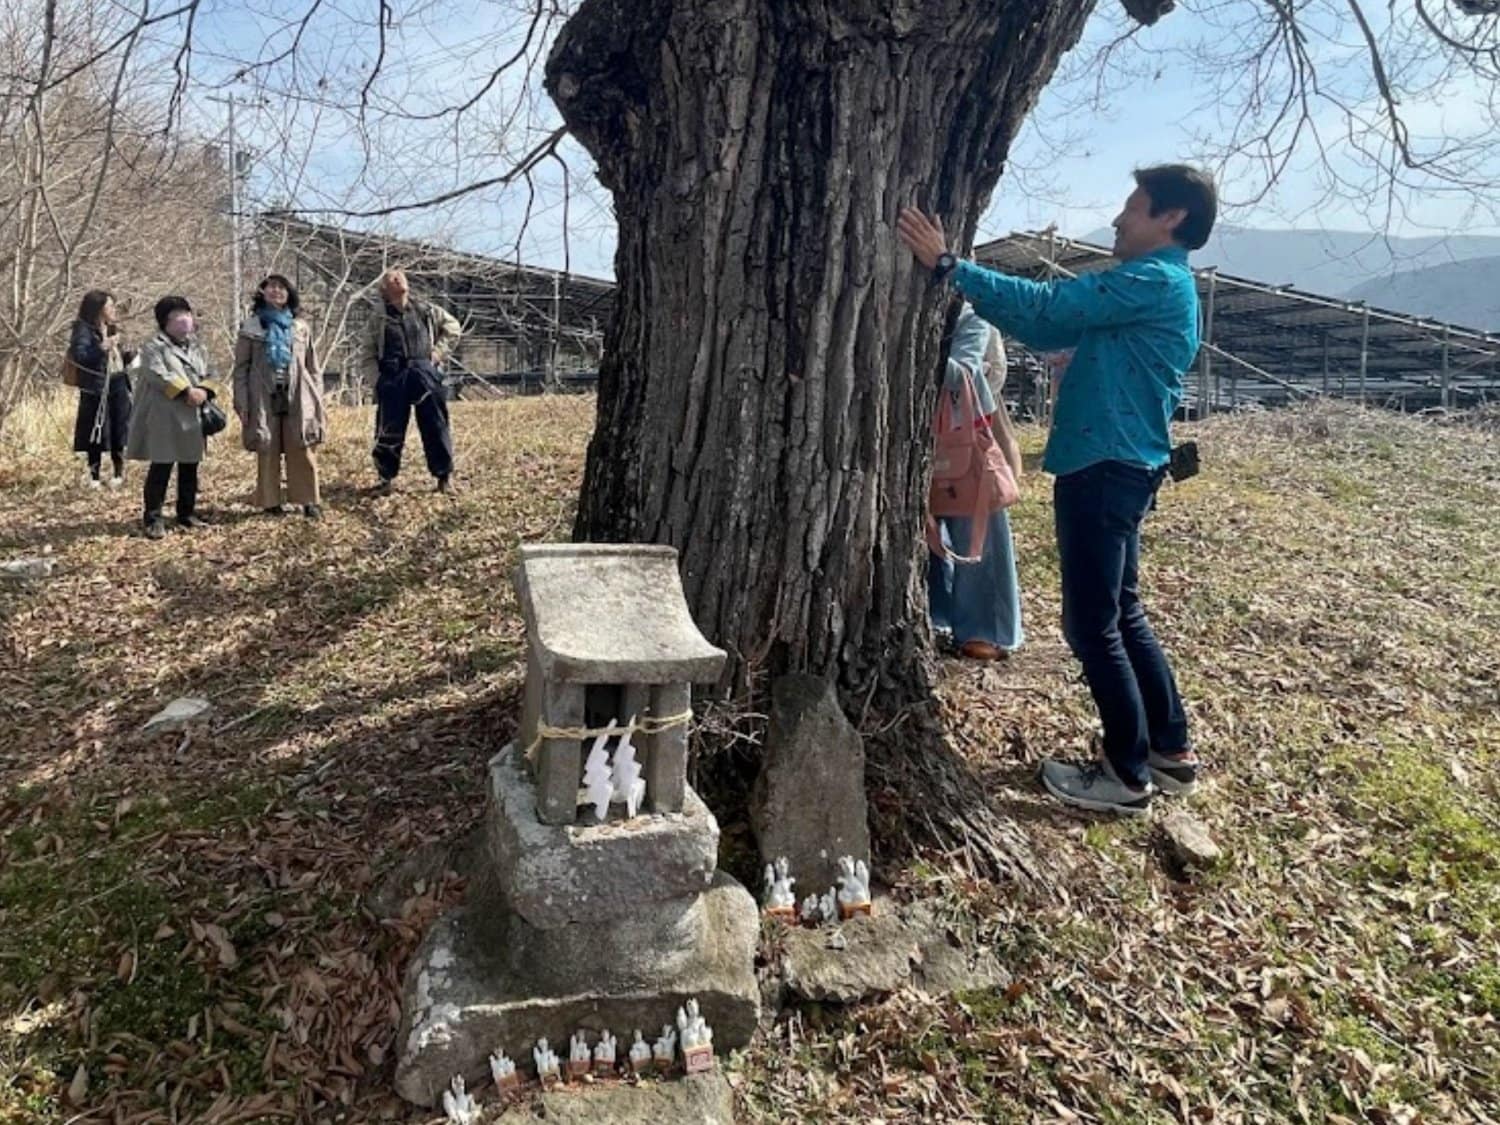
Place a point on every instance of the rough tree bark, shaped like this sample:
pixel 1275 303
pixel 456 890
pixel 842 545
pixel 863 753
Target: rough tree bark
pixel 765 397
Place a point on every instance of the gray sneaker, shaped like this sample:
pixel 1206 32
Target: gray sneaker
pixel 1176 774
pixel 1095 786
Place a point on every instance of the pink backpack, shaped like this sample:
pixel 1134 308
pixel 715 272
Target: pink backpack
pixel 970 476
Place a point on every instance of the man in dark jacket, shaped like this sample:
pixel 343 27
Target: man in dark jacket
pixel 399 354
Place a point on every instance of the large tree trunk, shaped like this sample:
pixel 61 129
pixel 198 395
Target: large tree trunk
pixel 765 398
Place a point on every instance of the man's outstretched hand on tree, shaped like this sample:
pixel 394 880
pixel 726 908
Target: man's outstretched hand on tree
pixel 922 236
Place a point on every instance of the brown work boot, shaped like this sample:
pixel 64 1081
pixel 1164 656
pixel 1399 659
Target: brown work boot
pixel 981 650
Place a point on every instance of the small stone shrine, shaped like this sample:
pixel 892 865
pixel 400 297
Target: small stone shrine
pixel 576 921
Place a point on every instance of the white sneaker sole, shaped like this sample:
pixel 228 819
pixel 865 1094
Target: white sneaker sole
pixel 1170 785
pixel 1093 806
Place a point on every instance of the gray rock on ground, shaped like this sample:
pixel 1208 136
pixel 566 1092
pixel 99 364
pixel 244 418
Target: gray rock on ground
pixel 699 1099
pixel 1189 841
pixel 26 570
pixel 895 948
pixel 809 801
pixel 861 958
pixel 179 715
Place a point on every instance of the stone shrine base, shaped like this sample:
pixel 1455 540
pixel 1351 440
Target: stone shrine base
pixel 488 977
pixel 701 1099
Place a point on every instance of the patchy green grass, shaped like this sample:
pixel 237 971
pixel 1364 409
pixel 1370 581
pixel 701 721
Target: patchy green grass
pixel 185 922
pixel 1329 593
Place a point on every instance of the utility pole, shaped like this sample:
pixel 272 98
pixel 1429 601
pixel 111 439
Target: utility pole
pixel 554 384
pixel 1206 388
pixel 234 211
pixel 1447 388
pixel 1364 350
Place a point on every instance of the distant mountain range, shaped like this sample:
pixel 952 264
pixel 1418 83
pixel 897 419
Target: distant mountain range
pixel 1465 293
pixel 1454 278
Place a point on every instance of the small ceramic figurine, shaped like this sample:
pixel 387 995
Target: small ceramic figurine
pixel 640 1054
pixel 812 910
pixel 697 1039
pixel 781 902
pixel 598 787
pixel 625 774
pixel 548 1069
pixel 503 1071
pixel 580 1058
pixel 828 906
pixel 664 1052
pixel 854 887
pixel 458 1104
pixel 604 1054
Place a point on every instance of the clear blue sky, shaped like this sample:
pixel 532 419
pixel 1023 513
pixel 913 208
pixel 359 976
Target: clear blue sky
pixel 1071 166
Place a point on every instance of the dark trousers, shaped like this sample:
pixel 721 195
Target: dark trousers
pixel 96 461
pixel 1098 512
pixel 157 477
pixel 397 393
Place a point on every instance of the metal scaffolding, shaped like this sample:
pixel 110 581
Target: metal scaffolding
pixel 525 328
pixel 1282 344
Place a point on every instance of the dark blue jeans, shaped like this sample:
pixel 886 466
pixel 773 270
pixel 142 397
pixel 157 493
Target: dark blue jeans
pixel 1098 511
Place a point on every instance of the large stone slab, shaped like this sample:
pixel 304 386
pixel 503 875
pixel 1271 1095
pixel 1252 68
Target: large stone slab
pixel 631 953
pixel 699 1099
pixel 601 613
pixel 463 996
pixel 862 958
pixel 906 947
pixel 557 875
pixel 809 801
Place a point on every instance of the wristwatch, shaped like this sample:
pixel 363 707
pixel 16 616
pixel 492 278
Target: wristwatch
pixel 946 264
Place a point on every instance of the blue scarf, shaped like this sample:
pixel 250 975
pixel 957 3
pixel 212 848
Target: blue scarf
pixel 278 326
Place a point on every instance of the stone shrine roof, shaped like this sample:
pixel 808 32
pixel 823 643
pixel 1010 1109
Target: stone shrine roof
pixel 599 613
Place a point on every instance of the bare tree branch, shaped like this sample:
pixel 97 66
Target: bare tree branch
pixel 547 148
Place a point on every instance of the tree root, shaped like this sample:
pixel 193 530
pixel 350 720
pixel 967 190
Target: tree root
pixel 925 795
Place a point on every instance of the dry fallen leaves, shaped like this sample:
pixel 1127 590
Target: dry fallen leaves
pixel 369 665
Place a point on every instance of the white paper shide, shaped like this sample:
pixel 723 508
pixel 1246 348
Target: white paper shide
pixel 613 778
pixel 625 774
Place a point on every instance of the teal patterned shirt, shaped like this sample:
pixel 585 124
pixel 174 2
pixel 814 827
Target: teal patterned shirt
pixel 1134 331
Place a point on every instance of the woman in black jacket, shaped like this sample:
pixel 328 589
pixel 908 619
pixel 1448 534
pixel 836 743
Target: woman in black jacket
pixel 103 387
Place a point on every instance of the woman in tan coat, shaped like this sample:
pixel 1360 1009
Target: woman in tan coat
pixel 278 395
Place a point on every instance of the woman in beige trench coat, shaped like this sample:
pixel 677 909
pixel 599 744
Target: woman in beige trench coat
pixel 278 395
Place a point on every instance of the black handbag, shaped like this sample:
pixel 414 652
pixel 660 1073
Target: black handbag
pixel 212 419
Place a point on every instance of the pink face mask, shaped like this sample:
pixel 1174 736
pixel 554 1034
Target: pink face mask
pixel 180 325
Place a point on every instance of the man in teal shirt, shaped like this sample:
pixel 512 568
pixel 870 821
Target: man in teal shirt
pixel 1134 331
